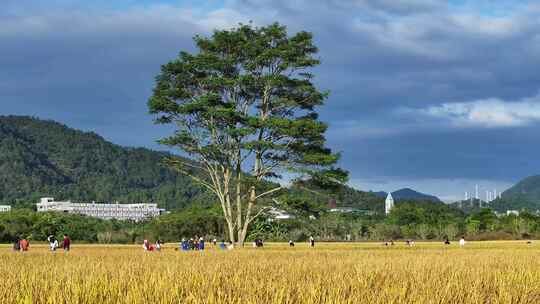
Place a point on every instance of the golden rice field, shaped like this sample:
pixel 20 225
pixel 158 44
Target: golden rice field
pixel 483 272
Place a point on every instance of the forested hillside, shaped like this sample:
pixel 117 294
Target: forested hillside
pixel 409 194
pixel 523 195
pixel 45 158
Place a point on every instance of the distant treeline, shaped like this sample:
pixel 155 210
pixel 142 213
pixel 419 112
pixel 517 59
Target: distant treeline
pixel 408 220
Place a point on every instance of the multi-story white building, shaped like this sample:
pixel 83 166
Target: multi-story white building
pixel 5 208
pixel 388 203
pixel 135 212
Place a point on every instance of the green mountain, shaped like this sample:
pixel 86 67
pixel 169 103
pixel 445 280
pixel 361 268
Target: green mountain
pixel 407 194
pixel 44 158
pixel 344 197
pixel 523 195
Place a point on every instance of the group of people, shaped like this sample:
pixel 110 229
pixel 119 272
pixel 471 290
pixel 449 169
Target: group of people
pixel 23 244
pixel 53 243
pixel 257 243
pixel 152 247
pixel 196 243
pixel 411 243
pixel 461 241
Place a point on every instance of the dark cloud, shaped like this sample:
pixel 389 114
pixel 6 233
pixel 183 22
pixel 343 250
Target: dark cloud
pixel 93 67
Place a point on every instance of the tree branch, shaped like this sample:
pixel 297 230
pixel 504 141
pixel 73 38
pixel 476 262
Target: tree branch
pixel 268 192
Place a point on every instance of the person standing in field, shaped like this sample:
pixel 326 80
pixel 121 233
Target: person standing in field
pixel 17 244
pixel 146 245
pixel 462 241
pixel 53 242
pixel 291 243
pixel 311 241
pixel 184 245
pixel 24 245
pixel 201 244
pixel 66 243
pixel 158 245
pixel 196 243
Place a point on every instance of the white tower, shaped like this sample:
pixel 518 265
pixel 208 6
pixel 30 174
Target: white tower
pixel 388 203
pixel 476 196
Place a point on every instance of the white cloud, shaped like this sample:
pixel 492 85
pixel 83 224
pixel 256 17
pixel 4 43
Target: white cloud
pixel 485 113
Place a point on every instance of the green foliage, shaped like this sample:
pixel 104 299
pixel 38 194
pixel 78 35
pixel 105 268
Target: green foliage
pixel 411 220
pixel 308 193
pixel 37 226
pixel 188 223
pixel 425 220
pixel 247 90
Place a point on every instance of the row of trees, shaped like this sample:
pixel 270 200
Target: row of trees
pixel 410 220
pixel 37 226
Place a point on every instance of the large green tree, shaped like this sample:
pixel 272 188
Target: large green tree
pixel 244 109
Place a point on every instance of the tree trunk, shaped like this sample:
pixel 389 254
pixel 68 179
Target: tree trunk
pixel 242 230
pixel 231 231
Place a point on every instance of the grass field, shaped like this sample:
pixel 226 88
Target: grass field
pixel 483 272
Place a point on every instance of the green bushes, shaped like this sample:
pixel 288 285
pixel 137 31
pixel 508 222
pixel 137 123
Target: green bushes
pixel 406 221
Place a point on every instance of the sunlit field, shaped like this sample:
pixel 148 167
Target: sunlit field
pixel 483 272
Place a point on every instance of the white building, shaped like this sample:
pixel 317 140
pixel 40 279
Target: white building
pixel 342 209
pixel 388 203
pixel 278 214
pixel 512 212
pixel 5 208
pixel 135 212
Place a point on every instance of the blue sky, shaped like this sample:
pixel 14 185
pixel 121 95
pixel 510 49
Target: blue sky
pixel 434 95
